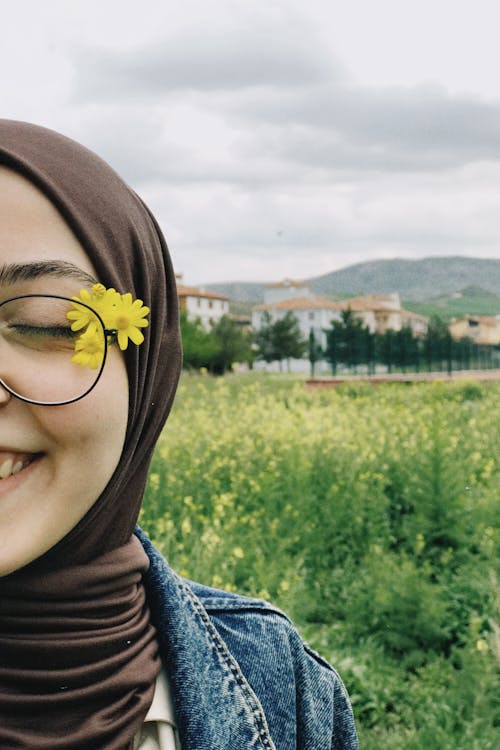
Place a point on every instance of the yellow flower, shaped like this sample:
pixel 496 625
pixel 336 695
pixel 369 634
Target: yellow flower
pixel 81 316
pixel 128 317
pixel 89 348
pixel 420 543
pixel 101 300
pixel 99 291
pixel 119 312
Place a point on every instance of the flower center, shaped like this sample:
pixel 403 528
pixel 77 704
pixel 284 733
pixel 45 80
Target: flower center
pixel 122 322
pixel 93 346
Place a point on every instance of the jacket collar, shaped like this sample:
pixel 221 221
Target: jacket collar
pixel 215 707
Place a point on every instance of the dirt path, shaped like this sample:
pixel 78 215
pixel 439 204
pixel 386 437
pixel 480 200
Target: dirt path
pixel 410 377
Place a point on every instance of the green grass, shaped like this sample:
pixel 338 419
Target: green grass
pixel 370 516
pixel 471 301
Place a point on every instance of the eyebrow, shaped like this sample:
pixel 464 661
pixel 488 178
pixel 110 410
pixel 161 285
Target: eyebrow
pixel 13 273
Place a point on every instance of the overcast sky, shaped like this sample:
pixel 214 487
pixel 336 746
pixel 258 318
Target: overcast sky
pixel 277 138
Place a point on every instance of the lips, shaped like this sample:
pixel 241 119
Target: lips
pixel 12 463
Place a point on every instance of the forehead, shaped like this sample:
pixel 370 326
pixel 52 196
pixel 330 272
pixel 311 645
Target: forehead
pixel 33 232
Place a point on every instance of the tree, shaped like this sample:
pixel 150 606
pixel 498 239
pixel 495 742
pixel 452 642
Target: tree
pixel 199 346
pixel 347 341
pixel 288 340
pixel 264 340
pixel 438 329
pixel 280 340
pixel 438 343
pixel 233 345
pixel 314 350
pixel 399 349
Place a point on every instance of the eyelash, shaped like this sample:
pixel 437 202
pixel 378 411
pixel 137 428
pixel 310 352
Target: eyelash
pixel 56 331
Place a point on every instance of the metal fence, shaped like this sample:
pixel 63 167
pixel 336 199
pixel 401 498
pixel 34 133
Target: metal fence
pixel 370 353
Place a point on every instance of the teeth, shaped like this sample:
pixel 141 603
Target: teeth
pixel 17 467
pixel 8 467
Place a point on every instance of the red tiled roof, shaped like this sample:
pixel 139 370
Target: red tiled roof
pixel 408 315
pixel 301 303
pixel 193 291
pixel 370 303
pixel 285 284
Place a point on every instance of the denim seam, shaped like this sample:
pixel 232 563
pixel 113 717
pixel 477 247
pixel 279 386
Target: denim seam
pixel 224 653
pixel 222 606
pixel 212 601
pixel 212 606
pixel 318 658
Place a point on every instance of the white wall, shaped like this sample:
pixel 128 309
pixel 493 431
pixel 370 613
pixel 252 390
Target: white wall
pixel 297 366
pixel 316 318
pixel 275 294
pixel 208 310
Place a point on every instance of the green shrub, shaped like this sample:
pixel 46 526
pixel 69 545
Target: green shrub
pixel 370 515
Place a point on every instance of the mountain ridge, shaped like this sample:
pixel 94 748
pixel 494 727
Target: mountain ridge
pixel 417 280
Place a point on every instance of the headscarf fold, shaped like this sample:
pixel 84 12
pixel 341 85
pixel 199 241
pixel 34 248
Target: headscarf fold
pixel 78 655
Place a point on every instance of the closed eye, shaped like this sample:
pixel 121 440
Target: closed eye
pixel 44 331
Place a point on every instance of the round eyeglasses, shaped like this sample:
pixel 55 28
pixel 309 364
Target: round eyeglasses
pixel 43 359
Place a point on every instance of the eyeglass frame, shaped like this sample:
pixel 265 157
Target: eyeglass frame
pixel 107 332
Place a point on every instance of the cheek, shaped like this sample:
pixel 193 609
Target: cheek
pixel 81 445
pixel 88 435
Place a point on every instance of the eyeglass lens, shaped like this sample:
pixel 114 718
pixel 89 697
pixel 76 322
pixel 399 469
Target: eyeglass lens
pixel 41 358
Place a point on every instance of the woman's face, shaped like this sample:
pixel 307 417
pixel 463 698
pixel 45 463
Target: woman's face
pixel 74 449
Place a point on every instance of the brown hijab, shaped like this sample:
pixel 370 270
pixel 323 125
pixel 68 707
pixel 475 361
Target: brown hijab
pixel 78 655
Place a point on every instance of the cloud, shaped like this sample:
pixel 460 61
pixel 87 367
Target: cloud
pixel 239 52
pixel 260 153
pixel 341 127
pixel 238 112
pixel 316 228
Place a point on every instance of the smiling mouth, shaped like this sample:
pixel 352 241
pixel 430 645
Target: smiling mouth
pixel 13 463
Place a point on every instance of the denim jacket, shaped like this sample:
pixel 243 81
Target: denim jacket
pixel 241 677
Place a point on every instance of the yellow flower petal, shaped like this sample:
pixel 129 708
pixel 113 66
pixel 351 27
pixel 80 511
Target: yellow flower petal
pixel 89 348
pixel 119 312
pixel 135 336
pixel 122 340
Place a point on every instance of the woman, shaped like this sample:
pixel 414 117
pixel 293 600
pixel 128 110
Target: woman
pixel 93 623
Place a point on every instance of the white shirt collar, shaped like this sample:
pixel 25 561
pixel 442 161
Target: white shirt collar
pixel 162 708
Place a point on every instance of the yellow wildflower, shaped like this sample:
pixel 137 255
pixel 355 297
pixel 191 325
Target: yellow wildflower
pixel 419 544
pixel 100 299
pixel 128 317
pixel 89 348
pixel 118 312
pixel 99 291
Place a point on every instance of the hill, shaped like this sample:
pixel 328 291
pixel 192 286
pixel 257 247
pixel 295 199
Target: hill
pixel 417 280
pixel 413 279
pixel 240 291
pixel 470 301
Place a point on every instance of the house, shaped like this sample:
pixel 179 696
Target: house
pixel 418 323
pixel 311 313
pixel 382 312
pixel 284 290
pixel 481 329
pixel 379 313
pixel 209 307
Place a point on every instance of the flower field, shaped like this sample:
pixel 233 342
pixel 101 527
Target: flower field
pixel 370 515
